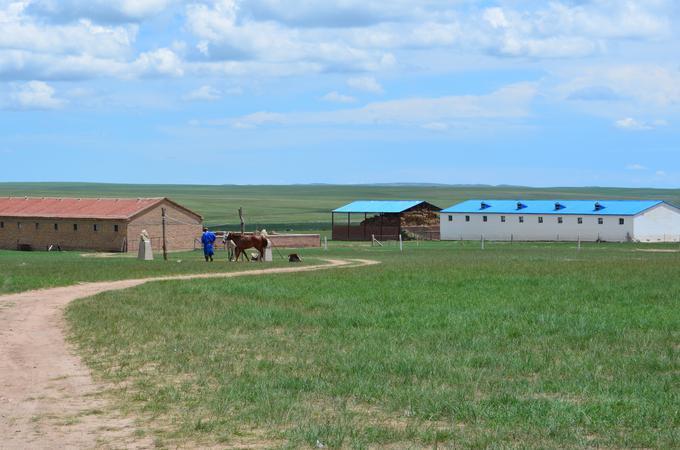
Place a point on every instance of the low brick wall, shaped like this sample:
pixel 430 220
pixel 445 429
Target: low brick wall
pixel 295 240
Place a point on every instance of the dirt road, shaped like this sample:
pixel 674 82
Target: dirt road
pixel 48 398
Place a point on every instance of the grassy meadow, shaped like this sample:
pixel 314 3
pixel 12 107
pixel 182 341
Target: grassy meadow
pixel 22 271
pixel 446 345
pixel 307 207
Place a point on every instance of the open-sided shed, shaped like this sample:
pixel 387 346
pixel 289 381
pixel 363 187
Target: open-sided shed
pixel 385 219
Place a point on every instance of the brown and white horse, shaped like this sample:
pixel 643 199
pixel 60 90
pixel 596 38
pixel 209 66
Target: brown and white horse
pixel 246 241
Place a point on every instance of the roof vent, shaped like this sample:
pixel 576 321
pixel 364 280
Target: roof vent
pixel 521 205
pixel 559 206
pixel 598 206
pixel 485 205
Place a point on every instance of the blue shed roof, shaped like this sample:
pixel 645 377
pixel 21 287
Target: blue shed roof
pixel 562 207
pixel 378 206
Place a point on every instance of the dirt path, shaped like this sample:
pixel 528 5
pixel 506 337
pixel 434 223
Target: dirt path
pixel 47 396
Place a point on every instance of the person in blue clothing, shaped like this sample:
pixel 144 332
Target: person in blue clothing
pixel 208 239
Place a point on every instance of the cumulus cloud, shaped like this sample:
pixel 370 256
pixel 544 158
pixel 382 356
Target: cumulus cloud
pixel 366 84
pixel 632 124
pixel 34 95
pixel 104 11
pixel 336 97
pixel 203 93
pixel 509 102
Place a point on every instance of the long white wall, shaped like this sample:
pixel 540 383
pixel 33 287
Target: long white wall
pixel 531 230
pixel 659 224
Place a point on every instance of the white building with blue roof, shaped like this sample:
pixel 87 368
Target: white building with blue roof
pixel 562 220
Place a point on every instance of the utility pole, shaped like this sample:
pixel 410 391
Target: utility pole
pixel 240 216
pixel 165 248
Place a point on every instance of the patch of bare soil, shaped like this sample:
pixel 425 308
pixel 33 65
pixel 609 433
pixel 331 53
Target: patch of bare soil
pixel 48 398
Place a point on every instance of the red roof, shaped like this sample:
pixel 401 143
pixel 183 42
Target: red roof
pixel 75 208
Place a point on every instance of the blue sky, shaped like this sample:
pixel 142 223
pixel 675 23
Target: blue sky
pixel 538 93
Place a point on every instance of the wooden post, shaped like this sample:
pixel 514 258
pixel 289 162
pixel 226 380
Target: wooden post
pixel 348 214
pixel 240 216
pixel 332 225
pixel 165 248
pixel 401 244
pixel 482 242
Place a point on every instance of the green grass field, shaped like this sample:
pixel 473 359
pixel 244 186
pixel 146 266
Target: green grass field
pixel 307 207
pixel 524 346
pixel 21 271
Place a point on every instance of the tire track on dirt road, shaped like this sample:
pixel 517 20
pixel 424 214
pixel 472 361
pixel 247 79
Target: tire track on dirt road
pixel 48 398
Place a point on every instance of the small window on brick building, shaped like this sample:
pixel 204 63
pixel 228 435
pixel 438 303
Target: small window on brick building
pixel 37 225
pixel 56 227
pixel 19 225
pixel 115 228
pixel 484 218
pixel 467 218
pixel 2 224
pixel 600 220
pixel 579 220
pixel 560 220
pixel 540 220
pixel 95 227
pixel 75 227
pixel 502 218
pixel 621 221
pixel 521 219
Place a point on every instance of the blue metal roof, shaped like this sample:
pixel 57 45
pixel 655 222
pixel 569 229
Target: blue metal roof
pixel 561 207
pixel 378 206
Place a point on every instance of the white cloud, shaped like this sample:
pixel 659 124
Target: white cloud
pixel 336 97
pixel 508 103
pixel 203 93
pixel 636 167
pixel 34 95
pixel 630 123
pixel 367 84
pixel 435 126
pixel 660 173
pixel 106 11
pixel 162 61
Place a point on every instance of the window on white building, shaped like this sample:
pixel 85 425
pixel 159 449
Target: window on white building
pixel 484 218
pixel 559 220
pixel 579 220
pixel 521 219
pixel 540 220
pixel 600 220
pixel 467 218
pixel 502 218
pixel 621 221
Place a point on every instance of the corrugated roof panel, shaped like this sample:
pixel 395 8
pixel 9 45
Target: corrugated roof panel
pixel 74 208
pixel 378 206
pixel 561 207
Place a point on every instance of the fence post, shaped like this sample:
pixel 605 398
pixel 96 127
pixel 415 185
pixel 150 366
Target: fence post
pixel 325 243
pixel 372 240
pixel 401 244
pixel 482 242
pixel 578 247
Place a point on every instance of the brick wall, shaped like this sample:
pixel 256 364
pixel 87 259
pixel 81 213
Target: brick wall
pixel 295 240
pixel 105 238
pixel 181 230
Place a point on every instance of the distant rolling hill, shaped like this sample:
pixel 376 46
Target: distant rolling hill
pixel 308 206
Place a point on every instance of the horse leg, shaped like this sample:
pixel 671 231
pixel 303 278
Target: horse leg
pixel 237 253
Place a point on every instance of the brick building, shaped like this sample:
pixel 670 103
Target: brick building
pixel 100 224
